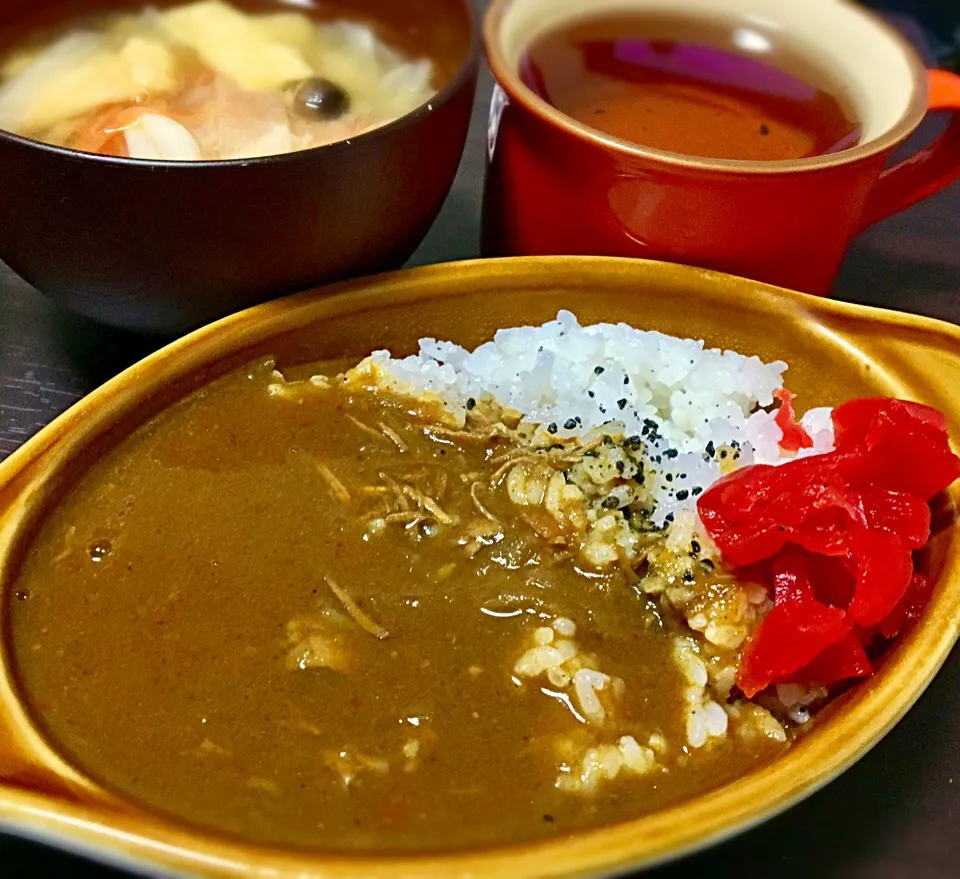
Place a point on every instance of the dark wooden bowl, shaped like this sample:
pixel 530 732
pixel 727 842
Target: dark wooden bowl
pixel 165 246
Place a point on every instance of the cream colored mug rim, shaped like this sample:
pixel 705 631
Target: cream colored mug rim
pixel 509 80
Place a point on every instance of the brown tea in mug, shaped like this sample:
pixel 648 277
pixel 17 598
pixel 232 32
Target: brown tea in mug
pixel 693 86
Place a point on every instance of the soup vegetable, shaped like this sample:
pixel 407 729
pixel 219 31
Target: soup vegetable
pixel 464 598
pixel 206 80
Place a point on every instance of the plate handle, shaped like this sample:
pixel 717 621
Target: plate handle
pixel 26 762
pixel 912 351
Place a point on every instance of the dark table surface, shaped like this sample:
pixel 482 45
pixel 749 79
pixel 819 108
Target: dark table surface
pixel 895 814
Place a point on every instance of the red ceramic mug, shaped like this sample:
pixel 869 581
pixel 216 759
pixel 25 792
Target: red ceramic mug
pixel 555 185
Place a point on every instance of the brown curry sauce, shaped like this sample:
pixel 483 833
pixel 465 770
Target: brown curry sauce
pixel 164 609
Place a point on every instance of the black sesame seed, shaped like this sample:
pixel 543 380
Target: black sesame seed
pixel 668 517
pixel 696 490
pixel 669 477
pixel 569 424
pixel 707 565
pixel 597 370
pixel 683 494
pixel 695 546
pixel 590 394
pixel 552 427
pixel 649 422
pixel 723 453
pixel 620 466
pixel 688 576
pixel 670 453
pixel 711 449
pixel 471 402
pixel 610 503
pixel 622 403
pixel 626 379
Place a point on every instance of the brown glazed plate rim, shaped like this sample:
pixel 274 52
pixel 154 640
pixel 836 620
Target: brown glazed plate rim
pixel 509 80
pixel 121 833
pixel 465 72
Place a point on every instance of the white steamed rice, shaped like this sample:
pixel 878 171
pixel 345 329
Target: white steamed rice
pixel 574 378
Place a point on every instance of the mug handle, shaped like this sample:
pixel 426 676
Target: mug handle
pixel 929 170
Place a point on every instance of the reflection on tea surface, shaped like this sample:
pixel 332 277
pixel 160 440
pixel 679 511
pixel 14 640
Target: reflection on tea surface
pixel 685 85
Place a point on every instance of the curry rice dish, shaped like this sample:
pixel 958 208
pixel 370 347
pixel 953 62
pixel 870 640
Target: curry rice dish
pixel 458 599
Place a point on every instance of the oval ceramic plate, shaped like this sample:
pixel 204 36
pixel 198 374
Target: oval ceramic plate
pixel 836 351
